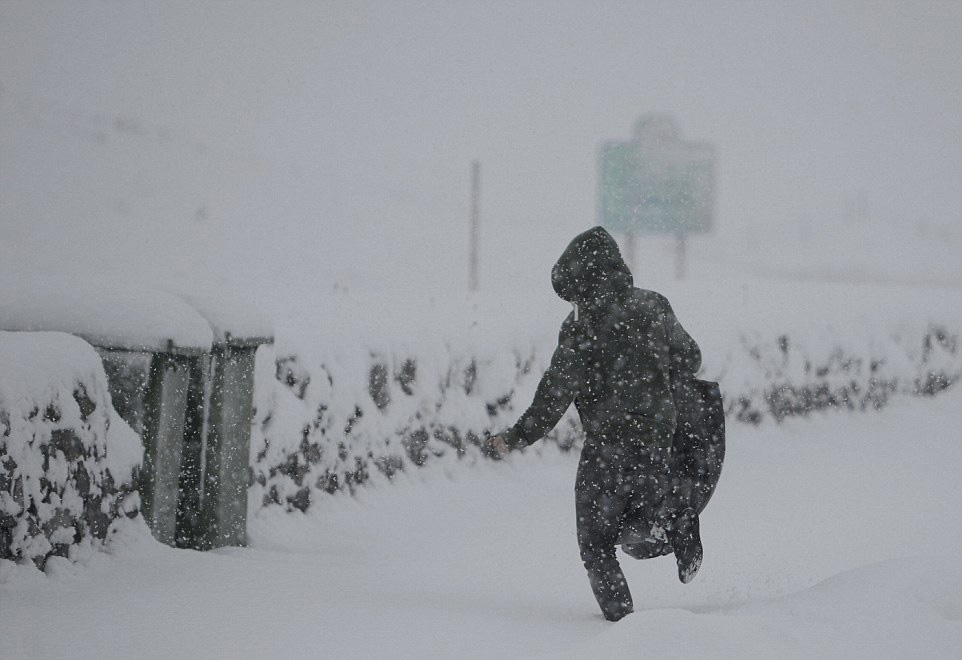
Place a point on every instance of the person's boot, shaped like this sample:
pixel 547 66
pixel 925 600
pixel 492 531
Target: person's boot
pixel 686 542
pixel 611 592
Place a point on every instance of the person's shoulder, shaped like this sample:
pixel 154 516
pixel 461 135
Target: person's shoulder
pixel 649 298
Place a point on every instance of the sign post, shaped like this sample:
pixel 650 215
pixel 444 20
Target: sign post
pixel 475 224
pixel 657 183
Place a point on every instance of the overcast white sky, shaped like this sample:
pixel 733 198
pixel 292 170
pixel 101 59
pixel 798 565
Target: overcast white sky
pixel 333 139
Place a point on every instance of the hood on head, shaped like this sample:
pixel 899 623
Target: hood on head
pixel 591 268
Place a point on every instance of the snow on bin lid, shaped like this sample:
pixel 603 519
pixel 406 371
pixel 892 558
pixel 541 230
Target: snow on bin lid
pixel 141 319
pixel 234 321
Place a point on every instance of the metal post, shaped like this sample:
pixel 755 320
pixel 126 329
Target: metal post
pixel 475 223
pixel 680 250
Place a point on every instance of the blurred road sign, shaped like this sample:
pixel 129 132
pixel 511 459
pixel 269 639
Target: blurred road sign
pixel 656 183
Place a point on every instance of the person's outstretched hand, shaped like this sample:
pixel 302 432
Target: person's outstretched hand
pixel 496 447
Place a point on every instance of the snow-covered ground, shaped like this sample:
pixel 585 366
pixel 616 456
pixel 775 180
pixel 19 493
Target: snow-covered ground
pixel 320 173
pixel 836 536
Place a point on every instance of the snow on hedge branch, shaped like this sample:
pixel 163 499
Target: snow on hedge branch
pixel 67 460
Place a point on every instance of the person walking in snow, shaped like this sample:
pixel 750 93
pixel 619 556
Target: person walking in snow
pixel 619 352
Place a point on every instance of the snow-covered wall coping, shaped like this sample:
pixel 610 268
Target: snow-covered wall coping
pixel 141 319
pixel 232 319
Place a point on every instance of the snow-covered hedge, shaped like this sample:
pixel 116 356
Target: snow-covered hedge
pixel 782 378
pixel 67 460
pixel 329 424
pixel 332 421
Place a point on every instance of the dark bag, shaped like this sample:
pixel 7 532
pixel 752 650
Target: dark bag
pixel 698 448
pixel 697 454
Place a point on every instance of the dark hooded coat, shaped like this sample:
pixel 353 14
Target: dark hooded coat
pixel 617 353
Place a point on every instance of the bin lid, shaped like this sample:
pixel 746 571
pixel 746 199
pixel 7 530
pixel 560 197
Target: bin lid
pixel 234 321
pixel 109 317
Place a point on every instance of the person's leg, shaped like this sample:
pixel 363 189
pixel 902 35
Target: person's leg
pixel 670 511
pixel 601 495
pixel 650 498
pixel 658 501
pixel 650 506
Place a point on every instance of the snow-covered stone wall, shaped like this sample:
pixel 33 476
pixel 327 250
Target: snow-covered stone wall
pixel 327 423
pixel 67 460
